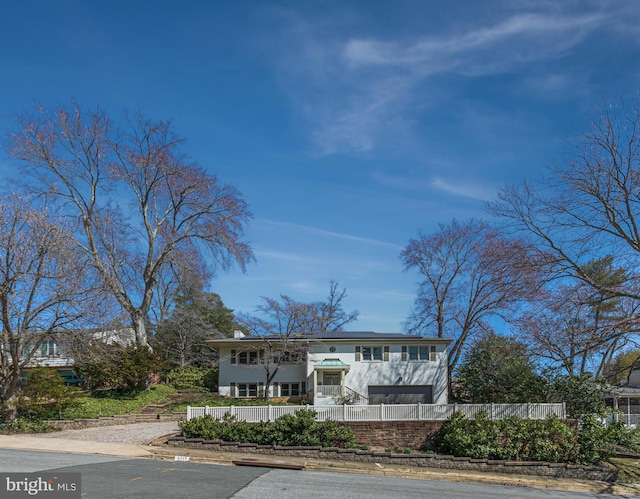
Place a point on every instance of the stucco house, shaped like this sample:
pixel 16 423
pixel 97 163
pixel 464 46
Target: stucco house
pixel 331 368
pixel 55 352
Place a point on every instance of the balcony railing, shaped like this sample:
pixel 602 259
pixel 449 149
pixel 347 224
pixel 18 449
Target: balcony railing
pixel 328 391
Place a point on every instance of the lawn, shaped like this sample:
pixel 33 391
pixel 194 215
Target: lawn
pixel 109 403
pixel 212 400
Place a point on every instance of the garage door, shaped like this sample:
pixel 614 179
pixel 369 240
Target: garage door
pixel 393 394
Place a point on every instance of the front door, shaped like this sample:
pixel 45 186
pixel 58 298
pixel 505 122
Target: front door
pixel 332 379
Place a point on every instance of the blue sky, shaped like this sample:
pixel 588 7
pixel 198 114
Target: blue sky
pixel 348 126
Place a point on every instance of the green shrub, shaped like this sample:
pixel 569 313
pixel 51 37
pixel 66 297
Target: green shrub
pixel 27 426
pixel 624 436
pixel 43 395
pixel 597 442
pixel 210 379
pixel 112 366
pixel 190 377
pixel 300 429
pixel 333 434
pixel 513 439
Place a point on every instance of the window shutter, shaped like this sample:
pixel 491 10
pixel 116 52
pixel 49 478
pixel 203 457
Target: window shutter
pixel 357 354
pixel 233 356
pixel 232 390
pixel 404 353
pixel 385 357
pixel 303 388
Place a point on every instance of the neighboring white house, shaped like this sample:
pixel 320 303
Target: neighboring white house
pixel 330 368
pixel 55 351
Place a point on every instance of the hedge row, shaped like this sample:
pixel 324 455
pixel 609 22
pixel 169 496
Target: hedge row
pixel 534 440
pixel 300 429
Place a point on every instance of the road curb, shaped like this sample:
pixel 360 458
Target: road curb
pixel 510 480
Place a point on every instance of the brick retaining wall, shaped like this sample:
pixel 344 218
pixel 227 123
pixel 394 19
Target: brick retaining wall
pixel 414 459
pixel 416 435
pixel 383 434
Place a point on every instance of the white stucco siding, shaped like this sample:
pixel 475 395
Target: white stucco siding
pixel 245 373
pixel 364 373
pixel 394 372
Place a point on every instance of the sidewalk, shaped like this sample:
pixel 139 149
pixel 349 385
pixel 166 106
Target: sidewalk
pixel 145 440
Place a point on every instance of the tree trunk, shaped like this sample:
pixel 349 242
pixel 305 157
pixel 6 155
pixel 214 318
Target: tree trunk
pixel 9 410
pixel 140 328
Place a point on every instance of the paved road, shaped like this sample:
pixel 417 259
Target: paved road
pixel 131 441
pixel 284 484
pixel 109 478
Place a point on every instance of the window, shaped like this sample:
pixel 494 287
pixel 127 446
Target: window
pixel 419 353
pixel 48 348
pixel 372 353
pixel 251 357
pixel 292 389
pixel 247 390
pixel 289 358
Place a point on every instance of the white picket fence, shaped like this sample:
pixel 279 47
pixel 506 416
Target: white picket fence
pixel 382 412
pixel 632 420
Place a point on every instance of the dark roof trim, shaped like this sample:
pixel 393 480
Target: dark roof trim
pixel 339 336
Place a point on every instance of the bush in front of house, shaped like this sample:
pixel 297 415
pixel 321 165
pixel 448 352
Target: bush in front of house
pixel 194 377
pixel 513 439
pixel 299 429
pixel 534 440
pixel 625 436
pixel 43 395
pixel 124 368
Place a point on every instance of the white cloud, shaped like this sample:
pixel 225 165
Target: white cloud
pixel 287 257
pixel 361 95
pixel 331 234
pixel 474 191
pixel 519 39
pixel 479 190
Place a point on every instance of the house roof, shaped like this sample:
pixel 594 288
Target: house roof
pixel 623 392
pixel 342 336
pixel 332 363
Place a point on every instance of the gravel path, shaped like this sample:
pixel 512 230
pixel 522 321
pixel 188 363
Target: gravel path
pixel 136 433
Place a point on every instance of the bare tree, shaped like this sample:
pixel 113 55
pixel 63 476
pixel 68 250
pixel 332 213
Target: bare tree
pixel 135 198
pixel 285 328
pixel 45 288
pixel 577 327
pixel 587 209
pixel 469 273
pixel 184 271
